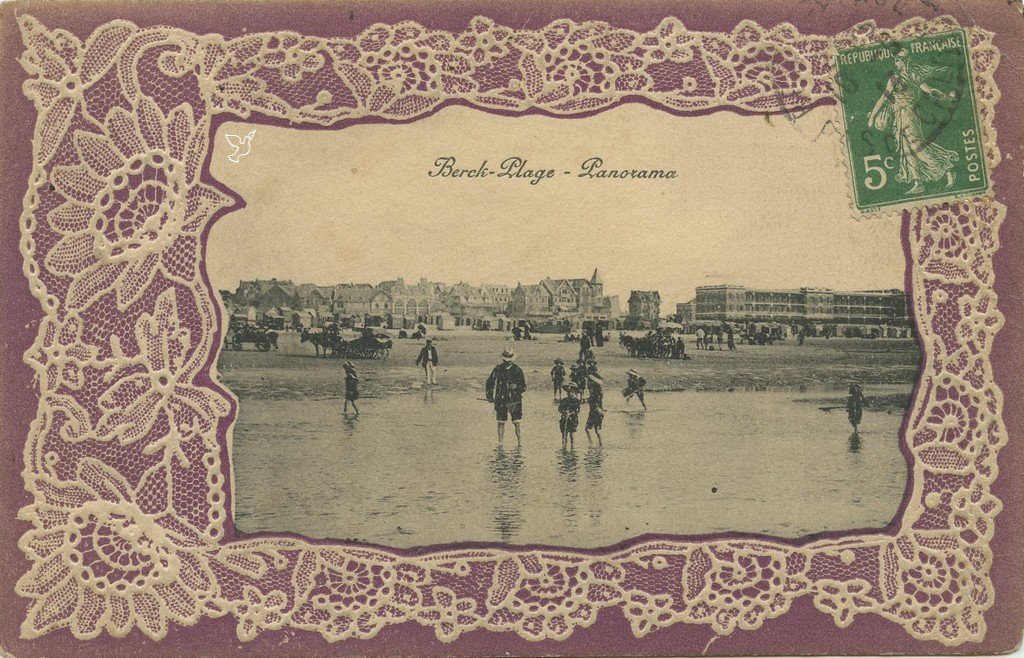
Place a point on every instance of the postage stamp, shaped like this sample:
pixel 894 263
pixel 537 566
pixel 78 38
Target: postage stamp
pixel 911 120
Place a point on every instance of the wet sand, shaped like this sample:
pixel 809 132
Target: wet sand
pixel 421 465
pixel 466 358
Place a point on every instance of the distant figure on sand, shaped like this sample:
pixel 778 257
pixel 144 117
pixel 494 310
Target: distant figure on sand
pixel 558 378
pixel 585 344
pixel 635 386
pixel 855 403
pixel 351 387
pixel 595 417
pixel 569 413
pixel 428 359
pixel 505 389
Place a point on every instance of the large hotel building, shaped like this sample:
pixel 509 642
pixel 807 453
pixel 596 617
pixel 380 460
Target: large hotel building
pixel 801 306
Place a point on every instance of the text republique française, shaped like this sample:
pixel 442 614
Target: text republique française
pixel 517 168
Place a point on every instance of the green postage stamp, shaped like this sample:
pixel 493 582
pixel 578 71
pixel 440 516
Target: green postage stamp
pixel 911 121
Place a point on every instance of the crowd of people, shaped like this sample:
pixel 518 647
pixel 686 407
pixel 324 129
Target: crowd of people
pixel 581 385
pixel 655 344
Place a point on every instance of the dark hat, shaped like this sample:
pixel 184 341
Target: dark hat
pixel 559 361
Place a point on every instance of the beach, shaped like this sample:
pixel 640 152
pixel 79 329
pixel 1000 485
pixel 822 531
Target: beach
pixel 733 442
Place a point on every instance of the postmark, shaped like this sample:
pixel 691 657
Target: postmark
pixel 911 120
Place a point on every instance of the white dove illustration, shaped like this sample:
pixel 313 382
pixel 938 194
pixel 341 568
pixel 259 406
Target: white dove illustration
pixel 240 143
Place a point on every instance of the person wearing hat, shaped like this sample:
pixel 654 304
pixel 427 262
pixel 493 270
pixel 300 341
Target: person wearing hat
pixel 505 388
pixel 569 411
pixel 578 376
pixel 351 387
pixel 595 401
pixel 428 359
pixel 558 378
pixel 635 386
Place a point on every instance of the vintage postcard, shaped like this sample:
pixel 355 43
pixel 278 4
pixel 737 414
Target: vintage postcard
pixel 524 329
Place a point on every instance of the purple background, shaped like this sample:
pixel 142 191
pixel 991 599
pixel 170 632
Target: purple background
pixel 803 630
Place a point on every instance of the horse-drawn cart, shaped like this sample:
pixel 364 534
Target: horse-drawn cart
pixel 366 347
pixel 329 342
pixel 237 336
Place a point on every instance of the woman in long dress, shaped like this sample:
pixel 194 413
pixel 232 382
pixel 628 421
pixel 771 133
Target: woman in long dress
pixel 897 111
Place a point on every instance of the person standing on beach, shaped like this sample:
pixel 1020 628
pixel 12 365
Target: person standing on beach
pixel 855 403
pixel 428 359
pixel 351 387
pixel 504 389
pixel 595 401
pixel 569 413
pixel 700 338
pixel 731 342
pixel 578 375
pixel 584 344
pixel 558 378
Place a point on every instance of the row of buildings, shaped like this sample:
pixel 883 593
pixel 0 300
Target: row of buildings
pixel 556 302
pixel 799 306
pixel 399 303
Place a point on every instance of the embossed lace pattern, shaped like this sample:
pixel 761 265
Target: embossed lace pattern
pixel 126 458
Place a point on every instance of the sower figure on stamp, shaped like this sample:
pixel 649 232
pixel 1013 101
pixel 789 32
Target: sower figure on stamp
pixel 898 111
pixel 351 387
pixel 505 389
pixel 428 359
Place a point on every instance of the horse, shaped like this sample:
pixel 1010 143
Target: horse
pixel 321 340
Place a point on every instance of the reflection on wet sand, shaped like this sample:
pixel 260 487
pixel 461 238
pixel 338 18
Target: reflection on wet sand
pixel 506 471
pixel 423 469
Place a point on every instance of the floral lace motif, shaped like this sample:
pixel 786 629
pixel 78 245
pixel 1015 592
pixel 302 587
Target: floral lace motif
pixel 126 457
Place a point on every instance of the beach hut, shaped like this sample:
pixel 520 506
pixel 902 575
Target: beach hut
pixel 444 321
pixel 302 319
pixel 272 318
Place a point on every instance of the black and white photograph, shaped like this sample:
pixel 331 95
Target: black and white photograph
pixel 539 364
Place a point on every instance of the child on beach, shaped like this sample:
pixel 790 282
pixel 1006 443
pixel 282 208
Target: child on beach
pixel 596 400
pixel 351 387
pixel 578 376
pixel 558 378
pixel 635 386
pixel 569 409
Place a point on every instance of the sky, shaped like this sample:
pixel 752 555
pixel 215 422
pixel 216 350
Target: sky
pixel 757 202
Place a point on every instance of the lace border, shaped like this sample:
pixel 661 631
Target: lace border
pixel 127 457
